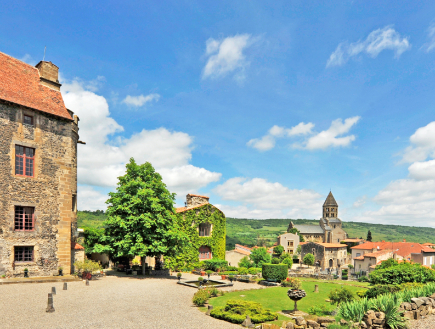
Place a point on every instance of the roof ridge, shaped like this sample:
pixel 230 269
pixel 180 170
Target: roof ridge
pixel 19 60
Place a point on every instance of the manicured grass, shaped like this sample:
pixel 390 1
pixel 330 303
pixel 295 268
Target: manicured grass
pixel 276 298
pixel 339 282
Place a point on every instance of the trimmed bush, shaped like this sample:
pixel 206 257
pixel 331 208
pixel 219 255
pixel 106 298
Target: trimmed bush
pixel 235 311
pixel 200 297
pixel 243 271
pixel 275 272
pixel 363 279
pixel 214 264
pixel 254 270
pixel 275 261
pixel 288 261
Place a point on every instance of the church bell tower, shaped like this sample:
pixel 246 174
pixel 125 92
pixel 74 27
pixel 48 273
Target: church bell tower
pixel 330 207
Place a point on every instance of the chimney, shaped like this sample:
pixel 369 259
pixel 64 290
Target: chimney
pixel 196 200
pixel 404 240
pixel 49 74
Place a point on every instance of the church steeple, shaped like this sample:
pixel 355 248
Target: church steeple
pixel 330 207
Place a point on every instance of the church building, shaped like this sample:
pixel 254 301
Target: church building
pixel 330 226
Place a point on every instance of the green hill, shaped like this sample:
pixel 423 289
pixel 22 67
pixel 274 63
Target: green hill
pixel 251 232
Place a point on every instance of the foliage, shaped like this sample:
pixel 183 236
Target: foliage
pixel 275 261
pixel 320 310
pixel 93 237
pixel 338 296
pixel 200 297
pixel 214 264
pixel 299 249
pixel 245 262
pixel 275 272
pixel 401 273
pixel 344 277
pixel 288 261
pixel 259 256
pixel 379 289
pixel 350 266
pixel 243 271
pixel 254 270
pixel 235 311
pixel 363 279
pixel 278 250
pixel 87 265
pixel 387 263
pixel 369 236
pixel 294 230
pixel 200 279
pixel 354 310
pixel 189 221
pixel 179 275
pixel 309 259
pixel 141 220
pixel 293 283
pixel 361 293
pixel 92 219
pixel 135 261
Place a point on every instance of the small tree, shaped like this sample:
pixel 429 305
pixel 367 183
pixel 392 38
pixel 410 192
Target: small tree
pixel 278 250
pixel 338 296
pixel 294 230
pixel 369 236
pixel 259 256
pixel 245 262
pixel 299 249
pixel 309 259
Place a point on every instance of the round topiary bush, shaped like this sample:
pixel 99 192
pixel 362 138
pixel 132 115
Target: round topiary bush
pixel 275 272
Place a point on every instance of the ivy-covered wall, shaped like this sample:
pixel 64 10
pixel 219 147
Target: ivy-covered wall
pixel 189 220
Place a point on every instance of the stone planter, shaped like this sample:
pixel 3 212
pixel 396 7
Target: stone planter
pixel 295 295
pixel 26 273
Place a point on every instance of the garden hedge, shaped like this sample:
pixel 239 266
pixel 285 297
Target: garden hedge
pixel 275 272
pixel 235 311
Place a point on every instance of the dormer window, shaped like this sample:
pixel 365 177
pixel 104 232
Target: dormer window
pixel 28 120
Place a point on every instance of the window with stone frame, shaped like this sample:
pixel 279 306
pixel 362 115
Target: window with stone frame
pixel 24 161
pixel 204 229
pixel 205 253
pixel 24 219
pixel 28 120
pixel 23 254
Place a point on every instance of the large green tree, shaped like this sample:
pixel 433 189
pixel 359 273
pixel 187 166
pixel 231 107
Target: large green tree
pixel 260 256
pixel 140 216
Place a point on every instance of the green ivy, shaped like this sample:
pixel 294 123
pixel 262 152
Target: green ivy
pixel 189 222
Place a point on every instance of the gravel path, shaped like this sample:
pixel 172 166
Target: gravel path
pixel 426 323
pixel 111 302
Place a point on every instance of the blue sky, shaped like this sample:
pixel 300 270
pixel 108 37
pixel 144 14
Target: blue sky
pixel 262 106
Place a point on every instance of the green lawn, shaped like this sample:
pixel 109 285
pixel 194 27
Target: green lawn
pixel 276 299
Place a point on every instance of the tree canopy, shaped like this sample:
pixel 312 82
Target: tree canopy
pixel 140 216
pixel 260 256
pixel 369 236
pixel 309 259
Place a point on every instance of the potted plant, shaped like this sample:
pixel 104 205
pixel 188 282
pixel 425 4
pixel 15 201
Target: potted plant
pixel 60 271
pixel 200 279
pixel 179 276
pixel 202 272
pixel 231 277
pixel 209 273
pixel 26 272
pixel 223 276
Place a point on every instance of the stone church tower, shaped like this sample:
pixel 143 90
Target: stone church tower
pixel 330 207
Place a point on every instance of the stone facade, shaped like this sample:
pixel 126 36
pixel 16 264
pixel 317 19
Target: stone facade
pixel 327 255
pixel 51 191
pixel 193 200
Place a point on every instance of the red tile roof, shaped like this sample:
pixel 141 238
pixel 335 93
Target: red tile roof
pixel 20 84
pixel 76 246
pixel 403 249
pixel 332 245
pixel 352 240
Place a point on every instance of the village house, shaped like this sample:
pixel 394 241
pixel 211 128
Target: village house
pixel 205 226
pixel 426 257
pixel 330 226
pixel 38 171
pixel 289 241
pixel 330 256
pixel 368 261
pixel 235 256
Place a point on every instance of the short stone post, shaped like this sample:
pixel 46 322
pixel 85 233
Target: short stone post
pixel 247 323
pixel 316 288
pixel 209 308
pixel 65 286
pixel 50 307
pixel 53 290
pixel 87 282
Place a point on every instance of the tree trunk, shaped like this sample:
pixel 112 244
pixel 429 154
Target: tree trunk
pixel 143 264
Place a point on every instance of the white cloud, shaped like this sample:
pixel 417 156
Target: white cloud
pixel 28 59
pixel 225 56
pixel 430 45
pixel 103 158
pixel 90 199
pixel 377 41
pixel 322 140
pixel 263 199
pixel 411 200
pixel 360 202
pixel 329 138
pixel 140 100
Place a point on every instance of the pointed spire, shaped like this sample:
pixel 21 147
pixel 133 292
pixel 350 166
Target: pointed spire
pixel 330 201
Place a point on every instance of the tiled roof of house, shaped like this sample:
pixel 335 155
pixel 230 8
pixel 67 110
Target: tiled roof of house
pixel 333 245
pixel 183 209
pixel 201 196
pixel 352 240
pixel 20 84
pixel 428 244
pixel 330 201
pixel 241 251
pixel 76 246
pixel 376 254
pixel 403 249
pixel 309 229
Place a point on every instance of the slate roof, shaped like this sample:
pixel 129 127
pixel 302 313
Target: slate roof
pixel 333 220
pixel 330 201
pixel 20 84
pixel 309 229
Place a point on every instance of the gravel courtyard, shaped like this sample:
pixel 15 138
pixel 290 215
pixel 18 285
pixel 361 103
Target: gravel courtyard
pixel 111 302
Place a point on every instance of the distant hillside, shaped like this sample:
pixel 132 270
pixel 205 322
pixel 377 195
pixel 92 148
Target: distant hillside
pixel 252 232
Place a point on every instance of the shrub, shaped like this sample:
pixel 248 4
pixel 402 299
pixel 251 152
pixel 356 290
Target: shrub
pixel 401 273
pixel 275 261
pixel 363 279
pixel 321 310
pixel 200 297
pixel 309 259
pixel 361 293
pixel 278 250
pixel 288 261
pixel 275 272
pixel 231 268
pixel 344 277
pixel 235 311
pixel 254 270
pixel 245 262
pixel 243 270
pixel 338 296
pixel 200 279
pixel 292 283
pixel 179 275
pixel 214 264
pixel 379 289
pixel 87 266
pixel 259 256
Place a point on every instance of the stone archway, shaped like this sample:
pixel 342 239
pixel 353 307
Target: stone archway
pixel 331 263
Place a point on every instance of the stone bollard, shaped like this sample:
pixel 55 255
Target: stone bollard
pixel 50 307
pixel 247 323
pixel 53 290
pixel 87 282
pixel 316 288
pixel 209 308
pixel 65 286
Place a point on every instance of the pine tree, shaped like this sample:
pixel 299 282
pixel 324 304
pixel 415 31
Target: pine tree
pixel 369 236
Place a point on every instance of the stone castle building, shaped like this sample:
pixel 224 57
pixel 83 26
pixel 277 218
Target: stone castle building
pixel 330 227
pixel 38 171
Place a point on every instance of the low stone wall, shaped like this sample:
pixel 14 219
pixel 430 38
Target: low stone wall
pixel 312 276
pixel 299 323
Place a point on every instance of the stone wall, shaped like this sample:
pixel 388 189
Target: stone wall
pixel 51 191
pixel 195 200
